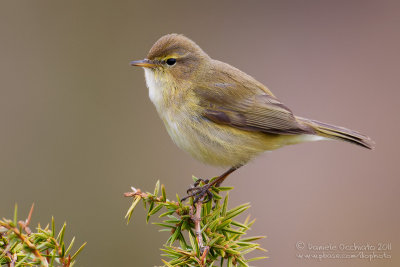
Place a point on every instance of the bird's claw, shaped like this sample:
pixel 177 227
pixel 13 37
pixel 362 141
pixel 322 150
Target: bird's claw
pixel 198 181
pixel 199 192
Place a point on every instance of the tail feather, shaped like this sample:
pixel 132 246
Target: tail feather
pixel 338 133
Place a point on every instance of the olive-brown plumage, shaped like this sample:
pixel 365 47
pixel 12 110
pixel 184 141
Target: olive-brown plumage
pixel 219 114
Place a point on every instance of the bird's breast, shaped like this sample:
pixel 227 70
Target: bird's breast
pixel 178 115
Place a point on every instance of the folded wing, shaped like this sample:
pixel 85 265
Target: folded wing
pixel 249 110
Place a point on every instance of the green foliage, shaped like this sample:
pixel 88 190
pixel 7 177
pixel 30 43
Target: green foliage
pixel 223 236
pixel 19 246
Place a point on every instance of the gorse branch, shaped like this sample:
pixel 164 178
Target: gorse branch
pixel 19 246
pixel 204 234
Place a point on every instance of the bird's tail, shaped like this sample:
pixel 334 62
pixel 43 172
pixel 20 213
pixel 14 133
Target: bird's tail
pixel 338 133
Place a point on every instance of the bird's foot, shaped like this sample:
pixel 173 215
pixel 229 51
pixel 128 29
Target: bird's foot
pixel 199 191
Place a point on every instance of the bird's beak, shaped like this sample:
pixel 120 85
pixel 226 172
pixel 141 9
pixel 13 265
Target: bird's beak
pixel 145 63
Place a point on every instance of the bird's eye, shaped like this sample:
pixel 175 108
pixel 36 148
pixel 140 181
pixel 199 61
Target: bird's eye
pixel 171 61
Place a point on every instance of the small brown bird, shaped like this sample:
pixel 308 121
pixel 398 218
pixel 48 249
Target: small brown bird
pixel 219 114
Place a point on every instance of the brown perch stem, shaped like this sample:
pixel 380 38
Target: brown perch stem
pixel 196 218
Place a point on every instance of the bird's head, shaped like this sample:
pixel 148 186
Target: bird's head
pixel 174 56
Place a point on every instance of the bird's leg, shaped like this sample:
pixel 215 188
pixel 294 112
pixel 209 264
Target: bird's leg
pixel 199 192
pixel 217 182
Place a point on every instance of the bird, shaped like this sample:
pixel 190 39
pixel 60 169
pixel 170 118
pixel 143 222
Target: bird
pixel 220 115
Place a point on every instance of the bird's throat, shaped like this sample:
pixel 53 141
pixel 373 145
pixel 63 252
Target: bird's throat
pixel 155 86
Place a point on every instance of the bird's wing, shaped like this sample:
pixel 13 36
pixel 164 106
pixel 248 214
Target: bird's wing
pixel 241 105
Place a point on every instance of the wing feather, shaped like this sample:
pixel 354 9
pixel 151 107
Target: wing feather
pixel 246 104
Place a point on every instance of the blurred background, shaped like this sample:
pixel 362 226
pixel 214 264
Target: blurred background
pixel 77 127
